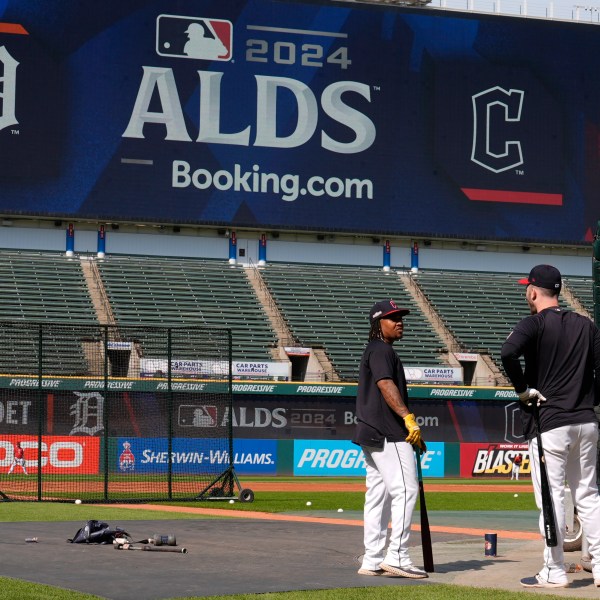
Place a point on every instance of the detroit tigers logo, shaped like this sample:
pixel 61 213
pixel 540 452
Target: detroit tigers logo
pixel 493 108
pixel 8 88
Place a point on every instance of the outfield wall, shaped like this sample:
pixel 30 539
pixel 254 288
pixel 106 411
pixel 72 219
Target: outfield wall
pixel 301 429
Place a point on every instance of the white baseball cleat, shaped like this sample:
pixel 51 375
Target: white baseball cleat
pixel 410 572
pixel 537 581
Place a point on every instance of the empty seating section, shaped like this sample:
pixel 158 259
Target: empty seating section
pixel 583 289
pixel 43 288
pixel 328 306
pixel 480 309
pixel 162 291
pixel 324 306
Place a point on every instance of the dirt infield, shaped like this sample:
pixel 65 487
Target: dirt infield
pixel 253 515
pixel 318 486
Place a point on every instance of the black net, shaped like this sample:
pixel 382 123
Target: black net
pixel 120 415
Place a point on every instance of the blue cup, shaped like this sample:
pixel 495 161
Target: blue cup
pixel 491 543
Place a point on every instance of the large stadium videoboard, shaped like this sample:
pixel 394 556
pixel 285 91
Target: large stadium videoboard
pixel 319 116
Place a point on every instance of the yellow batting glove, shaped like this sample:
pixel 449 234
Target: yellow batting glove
pixel 414 431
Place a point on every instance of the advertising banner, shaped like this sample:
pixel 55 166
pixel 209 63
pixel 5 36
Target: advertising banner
pixel 343 458
pixel 196 415
pixel 269 388
pixel 492 460
pixel 194 369
pixel 328 458
pixel 150 455
pixel 434 374
pixel 60 454
pixel 300 115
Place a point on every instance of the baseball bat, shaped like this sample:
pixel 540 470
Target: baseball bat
pixel 149 548
pixel 425 531
pixel 547 504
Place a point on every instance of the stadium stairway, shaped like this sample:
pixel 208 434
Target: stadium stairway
pixel 578 292
pixel 480 311
pixel 485 371
pixel 326 307
pixel 318 366
pixel 98 295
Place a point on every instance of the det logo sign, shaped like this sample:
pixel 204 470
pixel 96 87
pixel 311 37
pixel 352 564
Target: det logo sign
pixel 68 455
pixel 492 460
pixel 343 458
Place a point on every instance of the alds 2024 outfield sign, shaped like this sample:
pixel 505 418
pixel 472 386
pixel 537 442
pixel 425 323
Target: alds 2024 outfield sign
pixel 300 115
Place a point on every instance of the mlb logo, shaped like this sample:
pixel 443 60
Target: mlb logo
pixel 197 415
pixel 193 37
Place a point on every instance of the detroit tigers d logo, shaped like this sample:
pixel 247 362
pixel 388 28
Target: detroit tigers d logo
pixel 8 88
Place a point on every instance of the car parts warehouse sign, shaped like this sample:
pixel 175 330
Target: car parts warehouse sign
pixel 300 115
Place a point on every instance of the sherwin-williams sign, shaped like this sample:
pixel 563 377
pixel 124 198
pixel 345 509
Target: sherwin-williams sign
pixel 150 455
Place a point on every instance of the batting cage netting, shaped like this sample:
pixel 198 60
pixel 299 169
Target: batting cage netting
pixel 107 414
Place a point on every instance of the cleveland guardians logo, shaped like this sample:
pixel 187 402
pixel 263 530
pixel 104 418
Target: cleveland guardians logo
pixel 192 37
pixel 496 155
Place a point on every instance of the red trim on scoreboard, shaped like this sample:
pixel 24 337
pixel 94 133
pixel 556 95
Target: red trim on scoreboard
pixel 514 197
pixel 13 28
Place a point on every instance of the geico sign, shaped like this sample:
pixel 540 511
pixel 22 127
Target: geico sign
pixel 58 454
pixel 74 455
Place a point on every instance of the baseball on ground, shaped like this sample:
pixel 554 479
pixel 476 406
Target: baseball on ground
pixel 309 503
pixel 340 510
pixel 78 501
pixel 516 495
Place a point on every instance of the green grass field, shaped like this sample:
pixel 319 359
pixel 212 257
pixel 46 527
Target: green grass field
pixel 17 590
pixel 274 502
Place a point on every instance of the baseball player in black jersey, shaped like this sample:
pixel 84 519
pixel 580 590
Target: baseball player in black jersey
pixel 562 376
pixel 386 430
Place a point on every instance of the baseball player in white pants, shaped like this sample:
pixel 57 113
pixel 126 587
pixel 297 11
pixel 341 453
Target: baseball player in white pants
pixel 392 490
pixel 386 431
pixel 562 377
pixel 578 469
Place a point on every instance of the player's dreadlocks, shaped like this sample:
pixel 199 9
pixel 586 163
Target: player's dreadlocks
pixel 375 333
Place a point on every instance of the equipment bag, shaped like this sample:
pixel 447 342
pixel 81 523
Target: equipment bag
pixel 97 532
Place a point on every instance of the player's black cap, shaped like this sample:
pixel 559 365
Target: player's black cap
pixel 544 276
pixel 385 308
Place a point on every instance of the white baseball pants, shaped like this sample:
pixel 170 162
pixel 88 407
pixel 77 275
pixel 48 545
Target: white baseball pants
pixel 515 472
pixel 570 455
pixel 392 490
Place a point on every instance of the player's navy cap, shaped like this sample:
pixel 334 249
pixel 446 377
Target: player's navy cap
pixel 385 308
pixel 544 276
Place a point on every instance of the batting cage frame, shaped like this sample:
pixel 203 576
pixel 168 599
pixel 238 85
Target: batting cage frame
pixel 106 413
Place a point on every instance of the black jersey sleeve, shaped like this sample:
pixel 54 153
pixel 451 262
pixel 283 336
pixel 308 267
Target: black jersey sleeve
pixel 514 347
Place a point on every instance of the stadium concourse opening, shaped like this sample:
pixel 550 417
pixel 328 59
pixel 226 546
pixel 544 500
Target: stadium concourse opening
pixel 106 414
